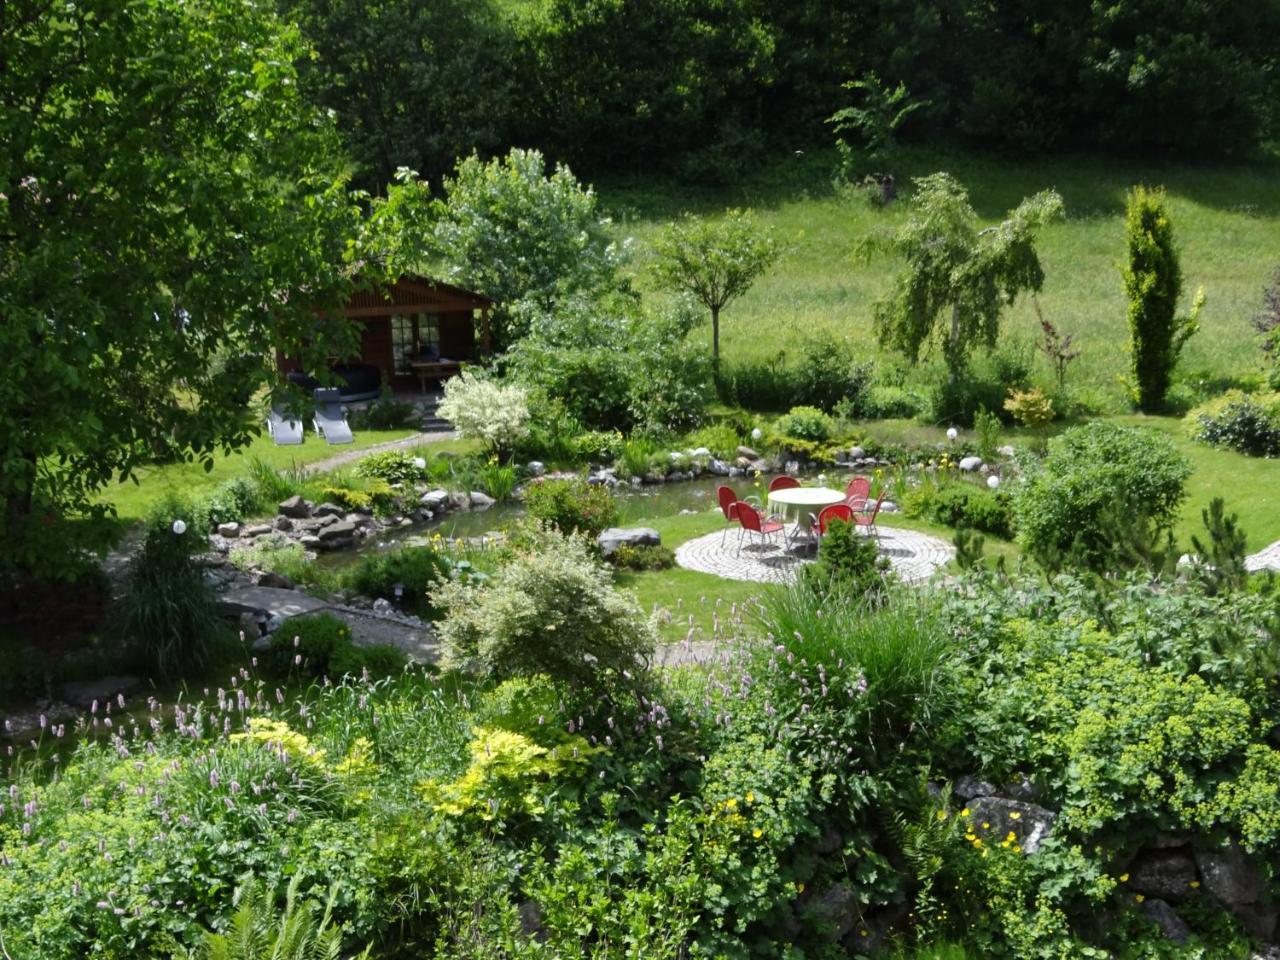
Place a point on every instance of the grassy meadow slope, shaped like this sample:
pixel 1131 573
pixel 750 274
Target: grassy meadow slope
pixel 1227 221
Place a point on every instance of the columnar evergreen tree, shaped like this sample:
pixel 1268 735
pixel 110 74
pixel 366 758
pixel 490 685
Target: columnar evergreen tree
pixel 958 277
pixel 1153 283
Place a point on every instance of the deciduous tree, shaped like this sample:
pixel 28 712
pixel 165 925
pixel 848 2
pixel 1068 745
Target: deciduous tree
pixel 171 213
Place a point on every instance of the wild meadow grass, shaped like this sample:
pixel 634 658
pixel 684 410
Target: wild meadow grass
pixel 1226 220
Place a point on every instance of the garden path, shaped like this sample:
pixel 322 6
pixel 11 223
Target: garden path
pixel 1267 558
pixel 351 456
pixel 914 557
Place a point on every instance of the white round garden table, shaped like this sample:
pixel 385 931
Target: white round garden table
pixel 802 500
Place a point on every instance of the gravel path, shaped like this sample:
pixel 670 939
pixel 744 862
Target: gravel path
pixel 351 456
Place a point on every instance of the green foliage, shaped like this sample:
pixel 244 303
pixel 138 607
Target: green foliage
pixel 508 230
pixel 875 123
pixel 829 376
pixel 1031 408
pixel 806 423
pixel 714 261
pixel 571 505
pixel 303 931
pixel 1091 475
pixel 722 439
pixel 415 569
pixel 550 610
pixel 168 613
pixel 393 467
pixel 1246 422
pixel 848 565
pixel 1267 323
pixel 274 485
pixel 955 503
pixel 153 349
pixel 1153 284
pixel 970 548
pixel 235 500
pixel 643 557
pixel 958 278
pixel 986 434
pixel 385 413
pixel 320 645
pixel 1223 553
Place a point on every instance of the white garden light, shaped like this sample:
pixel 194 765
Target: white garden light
pixel 993 481
pixel 179 527
pixel 757 433
pixel 952 433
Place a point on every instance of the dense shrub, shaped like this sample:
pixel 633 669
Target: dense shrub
pixel 722 439
pixel 233 501
pixel 168 612
pixel 572 505
pixel 1031 408
pixel 828 375
pixel 643 557
pixel 1248 423
pixel 394 467
pixel 887 401
pixel 386 413
pixel 1093 474
pixel 320 645
pixel 597 446
pixel 415 569
pixel 806 423
pixel 761 385
pixel 960 504
pixel 549 610
pixel 496 413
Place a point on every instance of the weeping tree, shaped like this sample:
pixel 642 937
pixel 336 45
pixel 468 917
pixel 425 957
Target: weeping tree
pixel 958 277
pixel 715 261
pixel 1153 284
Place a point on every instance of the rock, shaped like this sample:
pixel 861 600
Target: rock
pixel 888 506
pixel 435 500
pixel 792 467
pixel 327 509
pixel 615 537
pixel 1267 952
pixel 970 788
pixel 857 453
pixel 736 471
pixel 261 645
pixel 607 477
pixel 309 541
pixel 758 466
pixel 276 581
pixel 655 476
pixel 229 530
pixel 1021 787
pixel 536 468
pixel 383 607
pixel 718 467
pixel 481 501
pixel 84 693
pixel 295 507
pixel 1167 874
pixel 1166 918
pixel 831 841
pixel 284 524
pixel 747 453
pixel 1230 876
pixel 249 626
pixel 1005 451
pixel 1259 920
pixel 1031 824
pixel 838 912
pixel 257 530
pixel 267 600
pixel 530 915
pixel 337 531
pixel 970 464
pixel 460 500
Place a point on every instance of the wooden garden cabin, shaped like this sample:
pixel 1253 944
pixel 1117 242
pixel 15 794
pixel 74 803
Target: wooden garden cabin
pixel 415 331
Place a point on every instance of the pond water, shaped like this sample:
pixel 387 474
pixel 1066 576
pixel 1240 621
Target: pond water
pixel 635 504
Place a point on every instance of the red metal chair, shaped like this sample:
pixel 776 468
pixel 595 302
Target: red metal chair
pixel 729 507
pixel 865 518
pixel 837 511
pixel 783 483
pixel 857 491
pixel 752 522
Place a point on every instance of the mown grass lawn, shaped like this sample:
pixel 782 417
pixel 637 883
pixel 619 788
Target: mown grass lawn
pixel 132 500
pixel 1226 219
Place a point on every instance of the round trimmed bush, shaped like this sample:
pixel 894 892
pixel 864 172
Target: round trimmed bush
pixel 1096 478
pixel 572 505
pixel 806 423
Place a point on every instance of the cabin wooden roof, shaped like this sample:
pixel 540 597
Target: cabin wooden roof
pixel 413 294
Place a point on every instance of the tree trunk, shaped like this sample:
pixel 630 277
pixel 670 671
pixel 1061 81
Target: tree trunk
pixel 715 342
pixel 953 344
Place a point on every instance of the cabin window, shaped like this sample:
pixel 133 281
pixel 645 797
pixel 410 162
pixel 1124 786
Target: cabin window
pixel 403 343
pixel 429 336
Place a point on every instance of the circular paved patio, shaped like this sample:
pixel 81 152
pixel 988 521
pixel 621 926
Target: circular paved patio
pixel 915 557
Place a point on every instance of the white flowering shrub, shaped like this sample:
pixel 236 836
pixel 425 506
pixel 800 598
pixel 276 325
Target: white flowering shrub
pixel 552 609
pixel 493 412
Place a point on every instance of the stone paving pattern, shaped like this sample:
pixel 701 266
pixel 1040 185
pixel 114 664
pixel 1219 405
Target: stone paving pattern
pixel 915 557
pixel 1266 559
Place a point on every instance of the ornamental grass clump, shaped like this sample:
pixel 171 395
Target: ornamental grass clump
pixel 553 609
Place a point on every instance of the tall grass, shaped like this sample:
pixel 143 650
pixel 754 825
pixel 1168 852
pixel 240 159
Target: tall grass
pixel 275 485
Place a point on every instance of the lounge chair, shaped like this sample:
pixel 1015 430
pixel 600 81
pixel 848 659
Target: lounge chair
pixel 330 422
pixel 284 429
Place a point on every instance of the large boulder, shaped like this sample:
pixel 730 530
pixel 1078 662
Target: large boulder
pixel 1030 824
pixel 328 510
pixel 1167 874
pixel 85 693
pixel 837 910
pixel 229 530
pixel 1166 918
pixel 435 500
pixel 615 537
pixel 341 530
pixel 747 453
pixel 295 507
pixel 481 501
pixel 1229 875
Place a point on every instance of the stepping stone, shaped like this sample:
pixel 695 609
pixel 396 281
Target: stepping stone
pixel 271 601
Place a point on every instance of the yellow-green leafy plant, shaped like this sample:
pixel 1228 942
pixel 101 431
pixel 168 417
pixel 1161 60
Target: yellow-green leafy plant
pixel 1031 408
